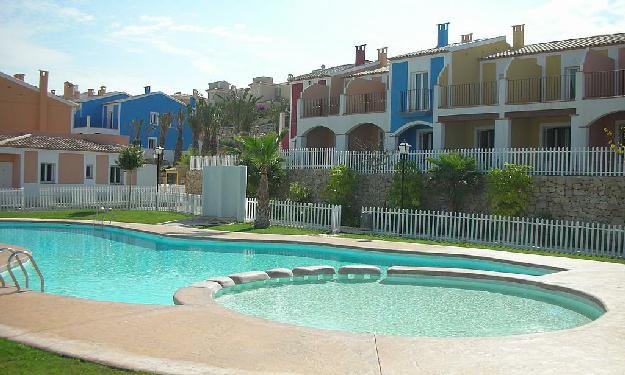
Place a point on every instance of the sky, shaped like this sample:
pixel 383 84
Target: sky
pixel 181 45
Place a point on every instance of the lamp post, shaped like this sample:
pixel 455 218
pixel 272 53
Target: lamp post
pixel 403 151
pixel 158 153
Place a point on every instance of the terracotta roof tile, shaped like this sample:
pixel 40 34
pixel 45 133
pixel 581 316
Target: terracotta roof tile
pixel 47 142
pixel 373 70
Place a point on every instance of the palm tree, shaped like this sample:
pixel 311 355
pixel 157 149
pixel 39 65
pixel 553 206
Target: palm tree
pixel 210 118
pixel 195 124
pixel 137 127
pixel 263 153
pixel 129 159
pixel 164 123
pixel 180 128
pixel 240 109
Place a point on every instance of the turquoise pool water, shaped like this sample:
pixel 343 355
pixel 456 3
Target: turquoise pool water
pixel 419 306
pixel 111 264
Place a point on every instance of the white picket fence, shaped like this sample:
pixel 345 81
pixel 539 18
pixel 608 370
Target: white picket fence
pixel 199 162
pixel 588 161
pixel 564 236
pixel 98 196
pixel 299 215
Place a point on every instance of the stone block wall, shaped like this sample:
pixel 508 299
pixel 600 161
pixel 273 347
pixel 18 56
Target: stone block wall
pixel 193 182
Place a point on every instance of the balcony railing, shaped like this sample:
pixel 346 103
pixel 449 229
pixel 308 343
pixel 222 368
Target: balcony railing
pixel 541 89
pixel 365 103
pixel 605 84
pixel 415 100
pixel 468 94
pixel 320 107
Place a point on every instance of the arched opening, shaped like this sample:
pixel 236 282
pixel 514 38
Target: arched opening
pixel 365 137
pixel 365 95
pixel 419 136
pixel 320 137
pixel 613 122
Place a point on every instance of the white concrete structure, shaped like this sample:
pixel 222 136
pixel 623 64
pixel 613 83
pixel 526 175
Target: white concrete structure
pixel 223 191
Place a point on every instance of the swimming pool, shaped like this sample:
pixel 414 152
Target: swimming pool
pixel 113 264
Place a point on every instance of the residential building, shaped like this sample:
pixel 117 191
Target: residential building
pixel 25 108
pixel 554 94
pixel 342 106
pixel 217 90
pixel 268 91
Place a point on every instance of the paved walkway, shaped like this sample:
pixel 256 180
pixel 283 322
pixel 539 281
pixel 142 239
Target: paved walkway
pixel 214 340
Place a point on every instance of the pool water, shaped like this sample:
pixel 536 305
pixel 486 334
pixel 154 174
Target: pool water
pixel 111 264
pixel 415 306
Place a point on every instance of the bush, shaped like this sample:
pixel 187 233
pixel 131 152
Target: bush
pixel 299 193
pixel 185 159
pixel 413 186
pixel 275 176
pixel 340 190
pixel 508 189
pixel 452 177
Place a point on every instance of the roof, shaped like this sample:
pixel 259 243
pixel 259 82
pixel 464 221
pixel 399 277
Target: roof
pixel 35 88
pixel 372 71
pixel 48 142
pixel 448 48
pixel 562 45
pixel 134 97
pixel 85 98
pixel 423 52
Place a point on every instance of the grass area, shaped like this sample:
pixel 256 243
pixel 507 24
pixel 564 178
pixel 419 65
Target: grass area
pixel 21 359
pixel 249 227
pixel 124 216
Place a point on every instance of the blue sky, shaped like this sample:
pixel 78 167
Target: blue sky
pixel 181 45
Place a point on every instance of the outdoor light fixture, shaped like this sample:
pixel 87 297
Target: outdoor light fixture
pixel 158 153
pixel 403 151
pixel 403 148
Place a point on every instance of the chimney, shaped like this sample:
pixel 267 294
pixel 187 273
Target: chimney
pixel 382 56
pixel 53 92
pixel 102 90
pixel 466 38
pixel 195 93
pixel 19 76
pixel 443 34
pixel 90 92
pixel 68 90
pixel 518 36
pixel 360 54
pixel 43 100
pixel 147 89
pixel 76 92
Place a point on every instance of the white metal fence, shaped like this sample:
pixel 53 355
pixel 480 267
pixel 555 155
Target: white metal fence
pixel 299 215
pixel 587 161
pixel 98 196
pixel 199 162
pixel 531 233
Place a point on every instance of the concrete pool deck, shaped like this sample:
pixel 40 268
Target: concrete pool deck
pixel 214 340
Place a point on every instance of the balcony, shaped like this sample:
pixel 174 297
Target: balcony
pixel 416 100
pixel 604 84
pixel 468 94
pixel 320 107
pixel 365 103
pixel 541 89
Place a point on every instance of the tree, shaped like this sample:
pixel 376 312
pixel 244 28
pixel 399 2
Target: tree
pixel 180 128
pixel 340 190
pixel 164 123
pixel 194 123
pixel 263 152
pixel 130 159
pixel 240 109
pixel 453 175
pixel 210 118
pixel 137 128
pixel 508 189
pixel 413 186
pixel 272 113
pixel 617 143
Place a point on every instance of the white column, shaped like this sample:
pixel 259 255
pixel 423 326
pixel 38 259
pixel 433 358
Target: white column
pixel 438 136
pixel 579 85
pixel 341 142
pixel 503 133
pixel 579 133
pixel 342 101
pixel 502 91
pixel 390 142
pixel 300 108
pixel 300 142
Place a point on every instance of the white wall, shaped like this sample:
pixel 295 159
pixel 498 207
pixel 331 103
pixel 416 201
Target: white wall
pixel 223 191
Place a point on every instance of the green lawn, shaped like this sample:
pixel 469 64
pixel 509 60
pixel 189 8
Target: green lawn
pixel 124 216
pixel 21 359
pixel 249 227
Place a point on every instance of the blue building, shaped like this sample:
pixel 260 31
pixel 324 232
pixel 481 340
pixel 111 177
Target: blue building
pixel 113 113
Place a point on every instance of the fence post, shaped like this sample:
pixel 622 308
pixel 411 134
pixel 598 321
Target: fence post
pixel 336 219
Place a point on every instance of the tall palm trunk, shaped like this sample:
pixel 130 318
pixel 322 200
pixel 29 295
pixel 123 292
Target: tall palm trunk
pixel 263 211
pixel 178 150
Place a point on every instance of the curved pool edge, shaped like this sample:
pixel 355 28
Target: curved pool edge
pixel 141 335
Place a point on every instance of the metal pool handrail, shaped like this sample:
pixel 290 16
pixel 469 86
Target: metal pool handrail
pixel 16 253
pixel 19 261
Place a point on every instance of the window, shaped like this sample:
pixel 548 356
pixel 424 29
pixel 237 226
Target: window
pixel 557 137
pixel 109 117
pixel 89 172
pixel 47 173
pixel 426 141
pixel 421 97
pixel 153 118
pixel 151 143
pixel 115 175
pixel 486 138
pixel 570 81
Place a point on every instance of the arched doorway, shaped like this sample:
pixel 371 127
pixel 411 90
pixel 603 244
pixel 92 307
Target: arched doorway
pixel 320 137
pixel 614 122
pixel 365 137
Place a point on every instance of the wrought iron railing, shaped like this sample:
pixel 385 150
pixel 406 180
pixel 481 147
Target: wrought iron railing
pixel 468 94
pixel 541 89
pixel 365 103
pixel 415 100
pixel 604 84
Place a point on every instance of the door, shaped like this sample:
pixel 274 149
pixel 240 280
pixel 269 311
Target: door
pixel 6 174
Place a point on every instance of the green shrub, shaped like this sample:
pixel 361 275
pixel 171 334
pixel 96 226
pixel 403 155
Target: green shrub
pixel 275 176
pixel 340 190
pixel 413 186
pixel 299 193
pixel 452 177
pixel 508 189
pixel 185 159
